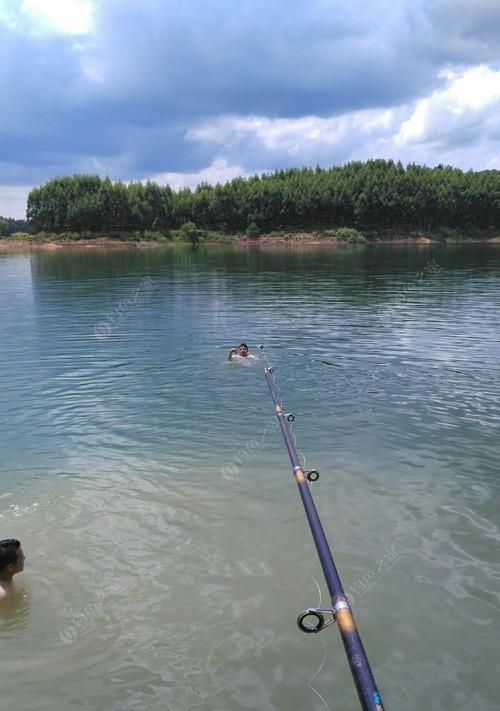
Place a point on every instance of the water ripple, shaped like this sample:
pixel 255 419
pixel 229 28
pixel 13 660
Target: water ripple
pixel 167 550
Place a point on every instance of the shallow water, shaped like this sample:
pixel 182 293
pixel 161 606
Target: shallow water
pixel 167 551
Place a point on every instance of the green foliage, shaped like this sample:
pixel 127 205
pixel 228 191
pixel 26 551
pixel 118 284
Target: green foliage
pixel 459 239
pixel 213 236
pixel 8 226
pixel 452 235
pixel 71 236
pixel 253 231
pixel 375 195
pixel 190 233
pixel 154 236
pixel 347 234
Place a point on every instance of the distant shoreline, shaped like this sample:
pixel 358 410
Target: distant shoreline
pixel 301 238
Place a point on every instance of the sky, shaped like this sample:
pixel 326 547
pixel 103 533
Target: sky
pixel 185 91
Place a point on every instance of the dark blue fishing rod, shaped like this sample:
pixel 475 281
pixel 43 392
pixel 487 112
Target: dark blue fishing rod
pixel 313 619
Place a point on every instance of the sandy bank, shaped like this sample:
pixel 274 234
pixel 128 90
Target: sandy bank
pixel 300 238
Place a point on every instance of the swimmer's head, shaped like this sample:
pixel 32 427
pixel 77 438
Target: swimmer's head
pixel 11 557
pixel 243 350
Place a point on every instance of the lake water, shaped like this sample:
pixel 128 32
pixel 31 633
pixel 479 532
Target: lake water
pixel 168 554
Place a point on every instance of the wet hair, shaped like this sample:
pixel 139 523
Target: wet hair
pixel 243 345
pixel 9 552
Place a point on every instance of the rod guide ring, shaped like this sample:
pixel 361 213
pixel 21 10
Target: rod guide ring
pixel 316 618
pixel 312 475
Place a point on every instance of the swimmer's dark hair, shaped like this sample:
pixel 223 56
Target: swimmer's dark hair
pixel 243 345
pixel 9 552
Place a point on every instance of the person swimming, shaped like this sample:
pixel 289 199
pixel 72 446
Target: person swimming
pixel 240 352
pixel 11 562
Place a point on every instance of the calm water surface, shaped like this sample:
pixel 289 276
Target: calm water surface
pixel 168 554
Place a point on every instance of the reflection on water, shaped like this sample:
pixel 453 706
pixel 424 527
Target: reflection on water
pixel 168 555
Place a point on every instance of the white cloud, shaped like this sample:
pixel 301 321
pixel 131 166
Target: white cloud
pixel 475 88
pixel 291 136
pixel 42 17
pixel 218 172
pixel 13 200
pixel 456 124
pixel 132 89
pixel 470 99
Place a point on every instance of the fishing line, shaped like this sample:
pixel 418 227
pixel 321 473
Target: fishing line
pixel 309 574
pixel 314 620
pixel 323 661
pixel 320 597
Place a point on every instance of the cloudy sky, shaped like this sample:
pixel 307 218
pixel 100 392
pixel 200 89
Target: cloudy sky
pixel 183 91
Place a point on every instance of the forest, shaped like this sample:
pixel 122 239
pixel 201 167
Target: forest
pixel 9 225
pixel 371 195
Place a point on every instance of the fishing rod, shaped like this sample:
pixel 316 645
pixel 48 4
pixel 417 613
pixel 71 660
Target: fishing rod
pixel 313 619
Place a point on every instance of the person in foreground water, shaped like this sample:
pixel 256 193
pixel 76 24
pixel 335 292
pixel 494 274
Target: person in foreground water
pixel 240 352
pixel 11 562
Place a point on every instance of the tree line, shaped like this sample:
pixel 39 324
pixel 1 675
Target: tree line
pixel 9 225
pixel 376 194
